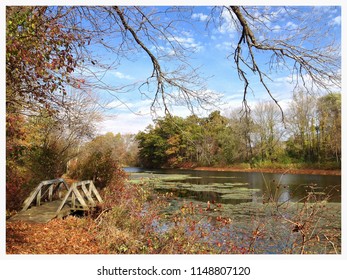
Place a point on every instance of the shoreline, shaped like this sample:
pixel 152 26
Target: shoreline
pixel 271 170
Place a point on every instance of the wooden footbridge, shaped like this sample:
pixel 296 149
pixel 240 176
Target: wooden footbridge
pixel 56 199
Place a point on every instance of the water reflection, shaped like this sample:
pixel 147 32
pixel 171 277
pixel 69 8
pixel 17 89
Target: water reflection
pixel 283 187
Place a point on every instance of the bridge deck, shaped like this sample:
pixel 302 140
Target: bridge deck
pixel 43 213
pixel 80 196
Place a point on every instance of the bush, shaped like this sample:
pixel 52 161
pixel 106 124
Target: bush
pixel 97 166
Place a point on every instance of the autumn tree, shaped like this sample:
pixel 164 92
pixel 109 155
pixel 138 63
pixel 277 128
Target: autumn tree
pixel 328 128
pixel 39 59
pixel 269 131
pixel 212 137
pixel 302 123
pixel 45 116
pixel 99 158
pixel 241 127
pixel 164 144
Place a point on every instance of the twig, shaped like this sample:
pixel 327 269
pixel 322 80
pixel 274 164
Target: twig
pixel 102 212
pixel 332 243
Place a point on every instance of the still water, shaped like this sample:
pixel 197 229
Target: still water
pixel 242 198
pixel 213 185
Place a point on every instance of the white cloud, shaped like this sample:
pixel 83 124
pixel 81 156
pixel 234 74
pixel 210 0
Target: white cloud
pixel 336 21
pixel 200 16
pixel 291 25
pixel 226 46
pixel 276 28
pixel 187 41
pixel 132 117
pixel 125 123
pixel 120 75
pixel 228 26
pixel 284 85
pixel 128 117
pixel 137 107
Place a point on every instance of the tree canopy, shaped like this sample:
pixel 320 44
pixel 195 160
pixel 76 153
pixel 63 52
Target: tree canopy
pixel 312 135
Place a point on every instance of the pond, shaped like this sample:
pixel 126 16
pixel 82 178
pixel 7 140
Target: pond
pixel 243 198
pixel 215 185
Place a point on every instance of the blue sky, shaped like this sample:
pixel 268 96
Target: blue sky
pixel 130 112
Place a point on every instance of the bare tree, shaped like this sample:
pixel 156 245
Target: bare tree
pixel 128 33
pixel 269 130
pixel 304 45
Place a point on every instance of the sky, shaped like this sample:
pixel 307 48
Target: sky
pixel 130 111
pixel 211 48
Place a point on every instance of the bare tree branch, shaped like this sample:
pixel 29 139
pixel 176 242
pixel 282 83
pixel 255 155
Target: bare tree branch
pixel 317 66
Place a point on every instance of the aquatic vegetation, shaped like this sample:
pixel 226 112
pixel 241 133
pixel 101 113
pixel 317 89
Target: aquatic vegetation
pixel 234 217
pixel 153 178
pixel 240 193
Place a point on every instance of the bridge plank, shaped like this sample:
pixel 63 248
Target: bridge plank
pixel 43 213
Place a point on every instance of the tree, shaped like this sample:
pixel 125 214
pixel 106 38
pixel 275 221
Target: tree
pixel 241 127
pixel 269 130
pixel 315 128
pixel 45 117
pixel 55 140
pixel 165 144
pixel 99 158
pixel 16 146
pixel 212 135
pixel 39 59
pixel 311 67
pixel 302 123
pixel 328 128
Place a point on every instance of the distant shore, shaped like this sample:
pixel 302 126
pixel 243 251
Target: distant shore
pixel 271 170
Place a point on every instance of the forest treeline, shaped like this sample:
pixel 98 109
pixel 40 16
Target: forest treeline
pixel 41 147
pixel 310 134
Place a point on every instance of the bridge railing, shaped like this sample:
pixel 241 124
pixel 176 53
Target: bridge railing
pixel 84 193
pixel 47 190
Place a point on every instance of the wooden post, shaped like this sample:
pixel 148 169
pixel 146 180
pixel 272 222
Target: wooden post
pixel 73 200
pixel 38 197
pixel 65 184
pixel 73 191
pixel 63 202
pixel 87 193
pixel 95 191
pixel 50 192
pixel 79 197
pixel 31 197
pixel 90 187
